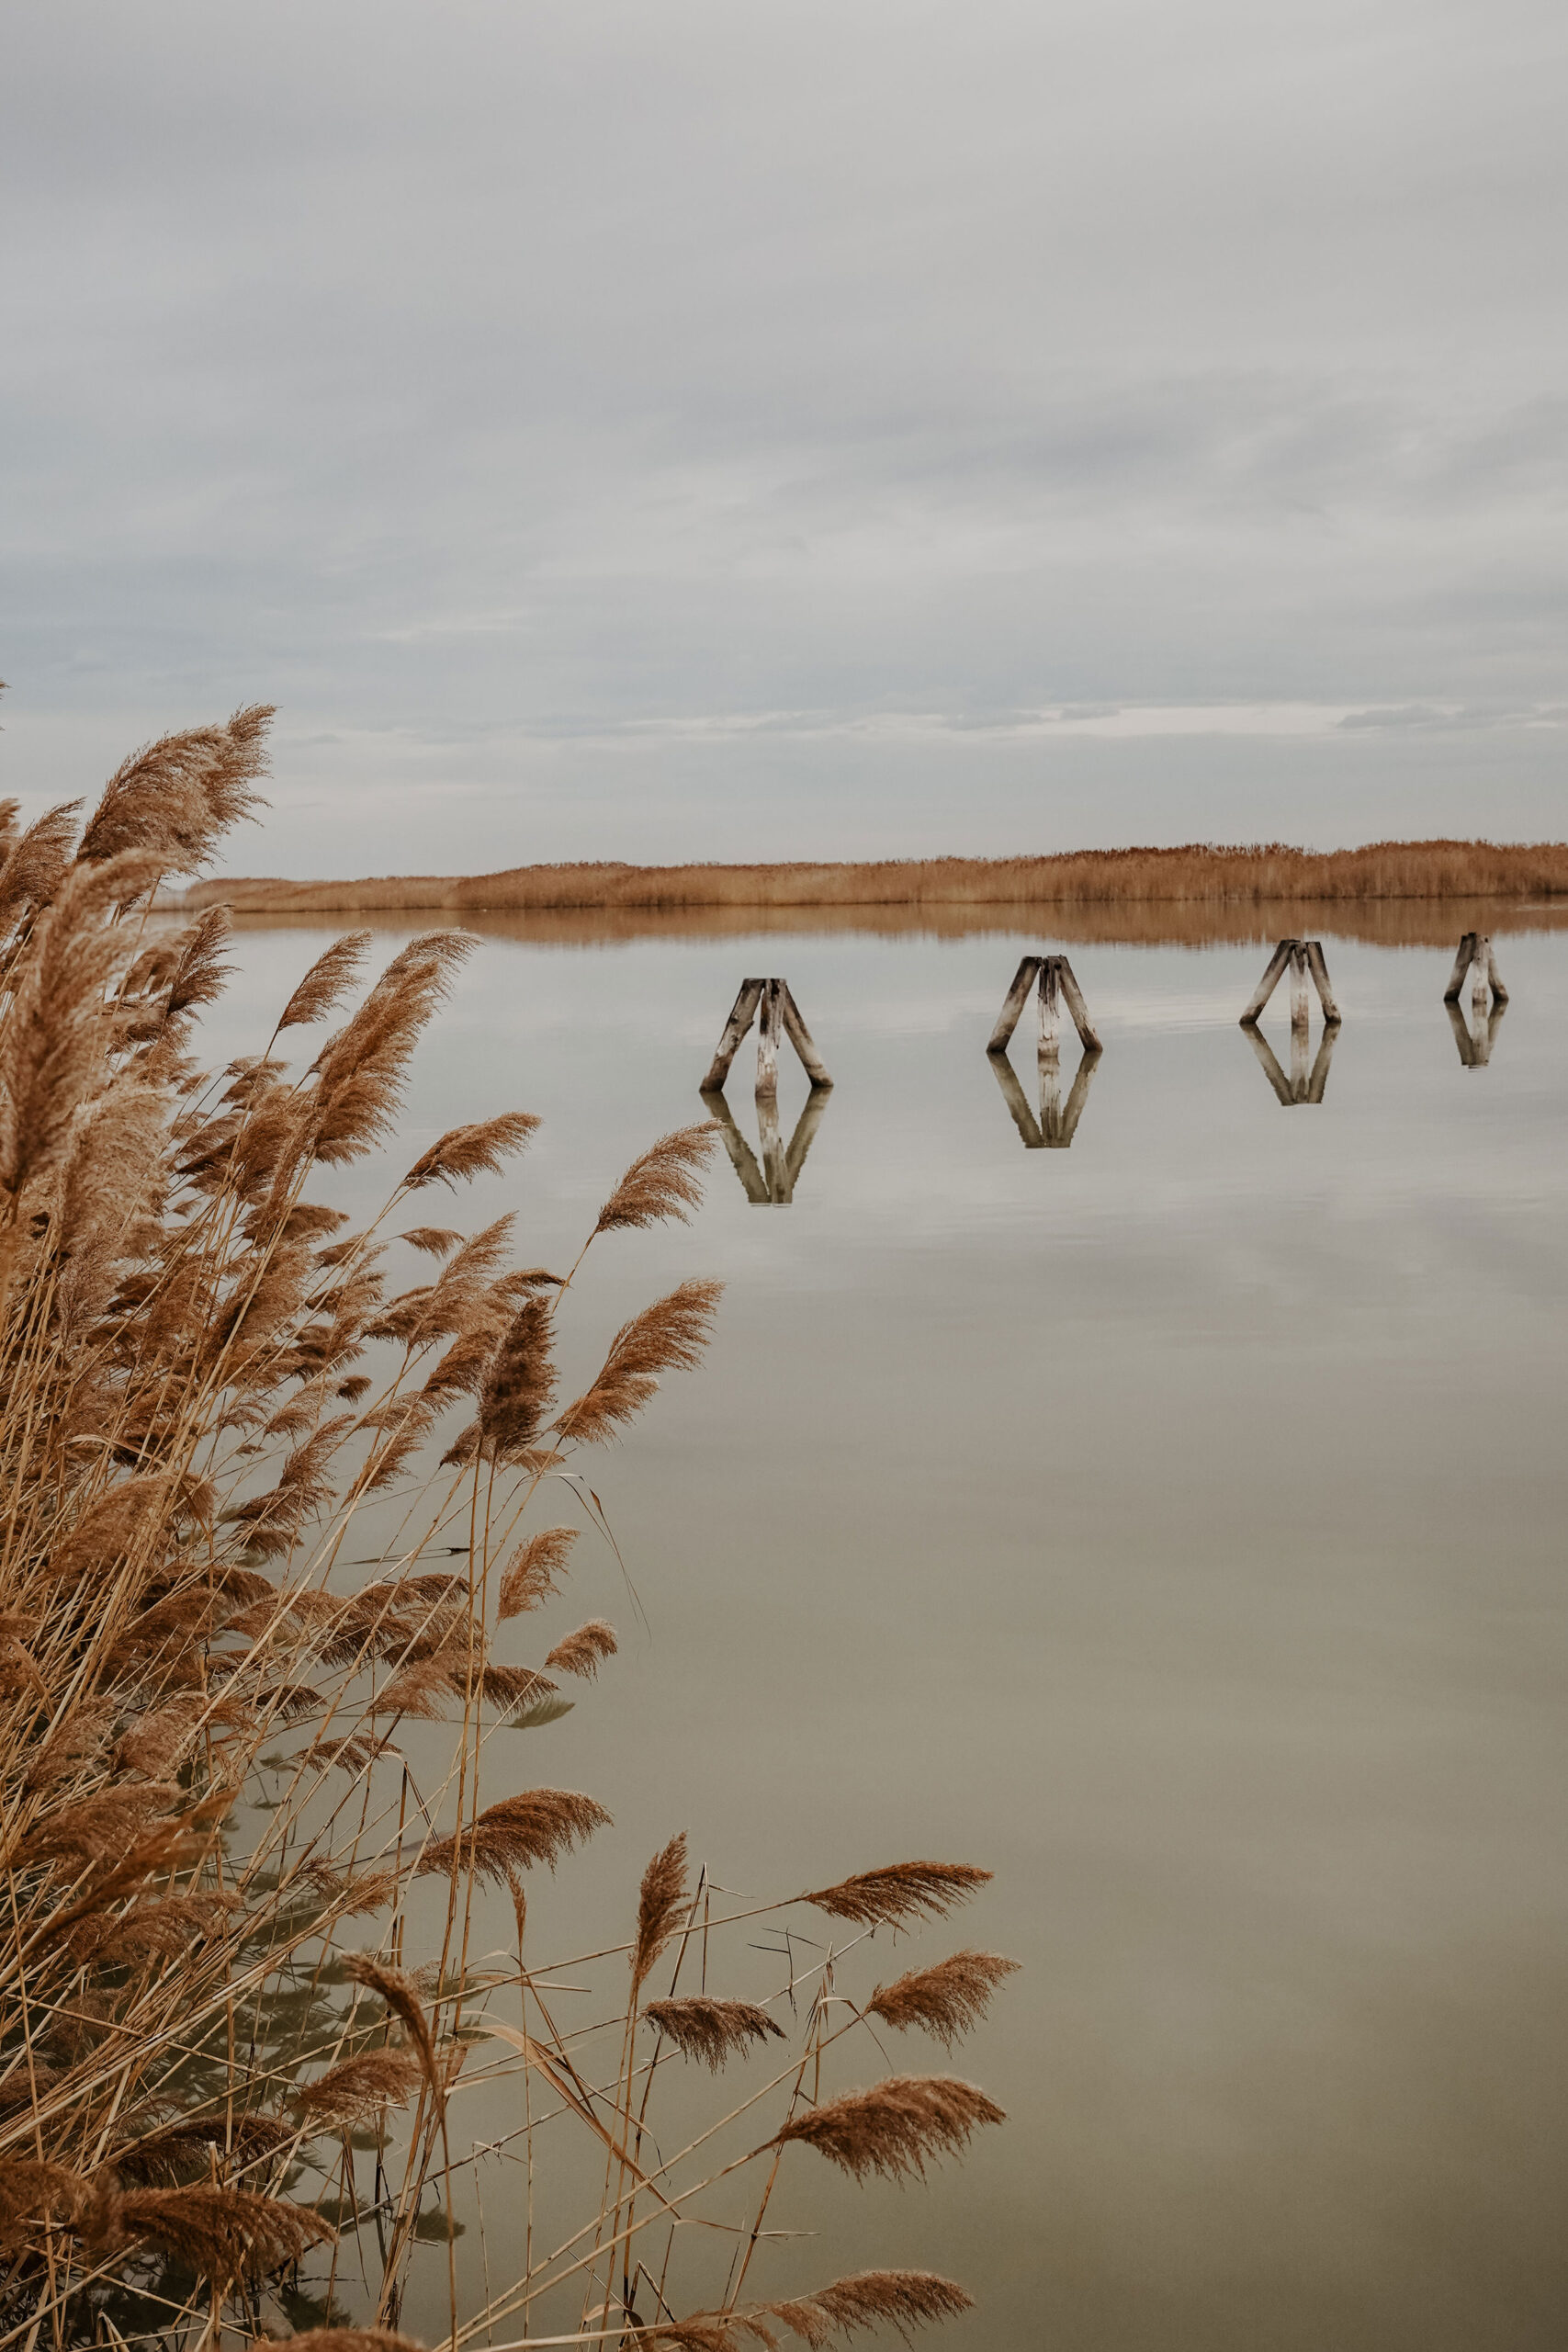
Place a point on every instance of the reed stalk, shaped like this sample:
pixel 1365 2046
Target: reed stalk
pixel 214 2003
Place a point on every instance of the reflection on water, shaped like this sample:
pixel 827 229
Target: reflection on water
pixel 1475 1032
pixel 773 1183
pixel 1124 1534
pixel 1302 1085
pixel 771 1005
pixel 1304 961
pixel 1488 999
pixel 1055 1127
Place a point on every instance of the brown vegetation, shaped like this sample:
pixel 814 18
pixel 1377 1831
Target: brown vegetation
pixel 1198 873
pixel 221 2048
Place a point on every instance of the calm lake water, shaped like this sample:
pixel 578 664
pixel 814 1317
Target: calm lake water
pixel 1173 1523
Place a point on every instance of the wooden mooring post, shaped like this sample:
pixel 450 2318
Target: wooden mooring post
pixel 1474 1032
pixel 772 1006
pixel 1303 959
pixel 769 1003
pixel 1058 985
pixel 1475 955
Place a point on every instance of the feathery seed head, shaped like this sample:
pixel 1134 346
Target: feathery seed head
pixel 711 2029
pixel 660 1901
pixel 899 1892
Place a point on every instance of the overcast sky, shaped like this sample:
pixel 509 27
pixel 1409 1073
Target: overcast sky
pixel 715 427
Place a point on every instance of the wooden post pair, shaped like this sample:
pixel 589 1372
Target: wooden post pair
pixel 1475 955
pixel 771 1005
pixel 1473 1036
pixel 1057 986
pixel 1304 959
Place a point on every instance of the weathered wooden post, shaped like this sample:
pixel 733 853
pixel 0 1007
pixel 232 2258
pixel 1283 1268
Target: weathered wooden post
pixel 1476 953
pixel 1054 973
pixel 1273 975
pixel 1054 1128
pixel 1473 1036
pixel 770 1013
pixel 1304 959
pixel 773 1006
pixel 1073 998
pixel 1300 999
pixel 1012 1004
pixel 735 1028
pixel 1319 970
pixel 769 1003
pixel 1050 1016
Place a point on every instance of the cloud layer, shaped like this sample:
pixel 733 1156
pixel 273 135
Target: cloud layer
pixel 641 432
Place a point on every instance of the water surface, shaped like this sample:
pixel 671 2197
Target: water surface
pixel 1172 1523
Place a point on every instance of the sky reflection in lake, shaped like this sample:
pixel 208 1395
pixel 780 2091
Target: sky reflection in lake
pixel 1172 1523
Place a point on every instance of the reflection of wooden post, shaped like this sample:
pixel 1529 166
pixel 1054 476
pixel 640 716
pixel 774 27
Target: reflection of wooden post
pixel 1318 1081
pixel 1268 983
pixel 1013 1095
pixel 741 1157
pixel 776 1186
pixel 800 1143
pixel 1271 1062
pixel 771 1144
pixel 1063 1126
pixel 1301 1086
pixel 1007 1019
pixel 1475 1041
pixel 735 1028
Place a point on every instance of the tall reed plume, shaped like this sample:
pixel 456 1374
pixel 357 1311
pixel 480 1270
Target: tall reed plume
pixel 249 1977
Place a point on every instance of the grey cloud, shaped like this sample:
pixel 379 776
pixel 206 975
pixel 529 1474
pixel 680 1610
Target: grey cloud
pixel 503 377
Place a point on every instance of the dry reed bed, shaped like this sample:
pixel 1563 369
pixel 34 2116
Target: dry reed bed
pixel 241 2017
pixel 1199 873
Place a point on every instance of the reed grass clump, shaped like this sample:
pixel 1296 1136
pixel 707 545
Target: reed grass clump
pixel 1210 876
pixel 250 1997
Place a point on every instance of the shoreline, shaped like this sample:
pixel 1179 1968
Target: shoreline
pixel 1169 890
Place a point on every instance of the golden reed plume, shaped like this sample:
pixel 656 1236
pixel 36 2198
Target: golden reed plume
pixel 269 1517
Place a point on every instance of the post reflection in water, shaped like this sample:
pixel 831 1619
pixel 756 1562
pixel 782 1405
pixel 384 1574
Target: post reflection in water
pixel 771 1184
pixel 1302 1085
pixel 1474 1037
pixel 1057 1124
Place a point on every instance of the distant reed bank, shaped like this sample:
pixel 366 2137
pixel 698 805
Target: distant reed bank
pixel 1199 873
